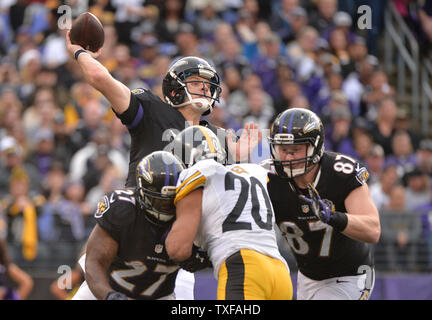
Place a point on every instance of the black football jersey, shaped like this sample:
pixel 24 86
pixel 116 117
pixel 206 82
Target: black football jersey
pixel 152 124
pixel 142 268
pixel 321 252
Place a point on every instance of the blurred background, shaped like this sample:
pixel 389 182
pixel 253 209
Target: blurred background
pixel 364 66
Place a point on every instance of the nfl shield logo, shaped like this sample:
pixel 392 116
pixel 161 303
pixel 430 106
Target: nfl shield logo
pixel 305 208
pixel 158 248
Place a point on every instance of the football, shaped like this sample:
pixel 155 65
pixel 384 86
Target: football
pixel 87 31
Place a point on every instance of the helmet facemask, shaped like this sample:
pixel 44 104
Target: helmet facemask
pixel 158 204
pixel 181 96
pixel 295 167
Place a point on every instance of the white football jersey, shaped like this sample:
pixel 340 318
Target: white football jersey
pixel 236 209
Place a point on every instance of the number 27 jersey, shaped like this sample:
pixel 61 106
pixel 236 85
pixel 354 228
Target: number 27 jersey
pixel 236 209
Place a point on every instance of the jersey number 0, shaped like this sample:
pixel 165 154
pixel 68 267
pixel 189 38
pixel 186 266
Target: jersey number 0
pixel 231 222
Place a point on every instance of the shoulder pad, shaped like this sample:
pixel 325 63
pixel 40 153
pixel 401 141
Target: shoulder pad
pixel 116 206
pixel 346 166
pixel 138 91
pixel 267 164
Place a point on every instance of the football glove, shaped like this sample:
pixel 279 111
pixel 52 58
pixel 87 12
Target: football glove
pixel 114 295
pixel 325 210
pixel 197 261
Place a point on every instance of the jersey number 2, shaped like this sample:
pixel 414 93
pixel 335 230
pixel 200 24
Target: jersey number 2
pixel 230 222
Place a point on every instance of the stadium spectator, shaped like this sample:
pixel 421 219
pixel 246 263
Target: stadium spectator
pixel 9 270
pixel 265 65
pixel 42 112
pixel 289 90
pixel 382 129
pixel 322 17
pixel 171 16
pixel 338 135
pixel 88 163
pixel 424 156
pixel 237 102
pixel 403 122
pixel 378 91
pixel 357 81
pixel 61 222
pixel 380 192
pixel 12 156
pixel 21 210
pixel 403 153
pixel 208 19
pixel 92 117
pixel 282 21
pixel 417 185
pixel 401 232
pixel 43 154
pixel 425 17
pixel 259 111
pixel 301 53
pixel 375 163
pixel 187 41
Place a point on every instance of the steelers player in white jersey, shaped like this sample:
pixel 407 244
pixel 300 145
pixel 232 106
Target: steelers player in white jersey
pixel 226 211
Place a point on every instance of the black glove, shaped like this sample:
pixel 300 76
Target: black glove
pixel 114 295
pixel 197 261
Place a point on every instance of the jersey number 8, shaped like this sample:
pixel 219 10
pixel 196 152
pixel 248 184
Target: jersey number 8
pixel 344 167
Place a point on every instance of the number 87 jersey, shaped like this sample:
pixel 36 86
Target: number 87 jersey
pixel 236 210
pixel 320 251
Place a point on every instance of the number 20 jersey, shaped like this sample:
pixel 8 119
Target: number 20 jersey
pixel 236 209
pixel 320 251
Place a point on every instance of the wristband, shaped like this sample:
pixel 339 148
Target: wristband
pixel 78 52
pixel 338 220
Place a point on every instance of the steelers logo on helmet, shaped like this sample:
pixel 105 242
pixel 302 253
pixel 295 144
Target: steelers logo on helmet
pixel 156 195
pixel 175 84
pixel 291 130
pixel 198 143
pixel 143 170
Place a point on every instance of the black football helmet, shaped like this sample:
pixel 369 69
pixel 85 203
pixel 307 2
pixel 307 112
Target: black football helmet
pixel 174 85
pixel 157 176
pixel 197 143
pixel 294 127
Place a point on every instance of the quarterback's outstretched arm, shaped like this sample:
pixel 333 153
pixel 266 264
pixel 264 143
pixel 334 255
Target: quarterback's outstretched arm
pixel 101 250
pixel 363 218
pixel 99 77
pixel 180 239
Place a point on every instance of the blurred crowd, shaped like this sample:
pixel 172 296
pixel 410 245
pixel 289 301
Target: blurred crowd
pixel 62 148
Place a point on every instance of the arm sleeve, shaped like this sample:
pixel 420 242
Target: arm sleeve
pixel 134 114
pixel 190 180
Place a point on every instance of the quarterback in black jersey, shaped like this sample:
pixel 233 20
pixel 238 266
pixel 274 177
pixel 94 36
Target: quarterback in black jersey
pixel 126 255
pixel 323 209
pixel 190 89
